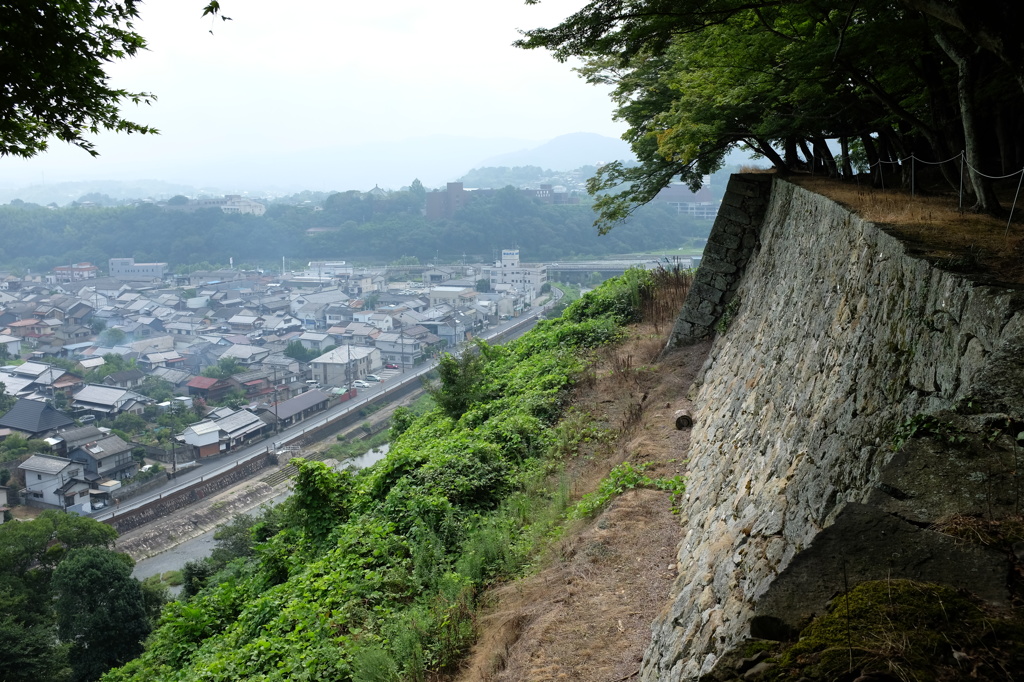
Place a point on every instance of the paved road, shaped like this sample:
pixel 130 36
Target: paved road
pixel 212 466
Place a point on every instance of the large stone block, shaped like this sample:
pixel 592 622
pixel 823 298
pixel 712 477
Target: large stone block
pixel 704 292
pixel 724 266
pixel 749 185
pixel 737 215
pixel 865 544
pixel 729 241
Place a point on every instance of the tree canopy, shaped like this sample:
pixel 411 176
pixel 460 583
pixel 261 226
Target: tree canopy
pixel 884 80
pixel 37 237
pixel 68 603
pixel 101 611
pixel 54 57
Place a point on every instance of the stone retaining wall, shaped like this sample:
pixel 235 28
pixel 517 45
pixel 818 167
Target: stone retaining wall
pixel 838 339
pixel 730 245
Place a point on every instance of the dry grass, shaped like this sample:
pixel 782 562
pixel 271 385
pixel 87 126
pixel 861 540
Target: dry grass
pixel 25 513
pixel 1001 533
pixel 933 228
pixel 586 613
pixel 756 169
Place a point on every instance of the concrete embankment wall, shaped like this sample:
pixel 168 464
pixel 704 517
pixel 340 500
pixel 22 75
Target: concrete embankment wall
pixel 130 519
pixel 836 336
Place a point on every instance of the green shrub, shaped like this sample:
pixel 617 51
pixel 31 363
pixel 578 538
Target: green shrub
pixel 621 478
pixel 373 575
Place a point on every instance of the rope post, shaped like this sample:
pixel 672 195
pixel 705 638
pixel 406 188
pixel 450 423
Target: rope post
pixel 912 168
pixel 1014 205
pixel 960 208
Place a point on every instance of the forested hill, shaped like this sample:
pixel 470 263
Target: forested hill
pixel 351 225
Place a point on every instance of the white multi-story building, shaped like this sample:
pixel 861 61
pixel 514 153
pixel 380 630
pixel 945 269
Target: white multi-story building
pixel 453 296
pixel 509 273
pixel 128 269
pixel 344 364
pixel 55 481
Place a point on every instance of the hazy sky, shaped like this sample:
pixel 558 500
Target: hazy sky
pixel 300 76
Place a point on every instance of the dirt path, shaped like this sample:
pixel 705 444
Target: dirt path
pixel 586 615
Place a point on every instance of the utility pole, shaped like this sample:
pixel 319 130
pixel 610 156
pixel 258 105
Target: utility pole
pixel 401 338
pixel 277 420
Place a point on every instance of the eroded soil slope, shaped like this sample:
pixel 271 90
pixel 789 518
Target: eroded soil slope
pixel 585 614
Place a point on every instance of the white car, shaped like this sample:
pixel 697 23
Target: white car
pixel 359 383
pixel 372 377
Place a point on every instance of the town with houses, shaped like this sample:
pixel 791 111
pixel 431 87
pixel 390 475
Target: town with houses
pixel 350 323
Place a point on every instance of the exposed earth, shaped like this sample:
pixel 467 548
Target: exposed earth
pixel 586 613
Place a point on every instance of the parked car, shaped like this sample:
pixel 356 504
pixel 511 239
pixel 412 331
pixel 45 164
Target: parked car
pixel 372 377
pixel 359 383
pixel 391 365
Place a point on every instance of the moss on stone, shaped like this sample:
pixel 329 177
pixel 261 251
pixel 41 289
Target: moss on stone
pixel 753 647
pixel 915 631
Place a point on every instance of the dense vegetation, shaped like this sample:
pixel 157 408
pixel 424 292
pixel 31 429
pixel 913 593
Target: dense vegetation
pixel 69 606
pixel 355 226
pixel 373 575
pixel 882 80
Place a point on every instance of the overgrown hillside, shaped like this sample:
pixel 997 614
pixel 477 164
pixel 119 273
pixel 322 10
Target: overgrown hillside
pixel 375 575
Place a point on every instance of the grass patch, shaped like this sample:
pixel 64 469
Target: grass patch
pixel 625 477
pixel 172 578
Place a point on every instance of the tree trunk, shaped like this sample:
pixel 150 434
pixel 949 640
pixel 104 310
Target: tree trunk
pixel 844 144
pixel 807 155
pixel 766 150
pixel 985 196
pixel 1003 139
pixel 874 167
pixel 792 160
pixel 887 161
pixel 822 151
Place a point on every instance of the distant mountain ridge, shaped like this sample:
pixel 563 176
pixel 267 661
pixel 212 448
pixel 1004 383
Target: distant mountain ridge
pixel 566 152
pixel 434 160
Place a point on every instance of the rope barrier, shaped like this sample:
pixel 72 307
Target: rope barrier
pixel 913 159
pixel 995 177
pixel 938 163
pixel 961 156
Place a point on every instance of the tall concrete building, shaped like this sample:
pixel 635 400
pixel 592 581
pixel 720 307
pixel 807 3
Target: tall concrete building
pixel 509 273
